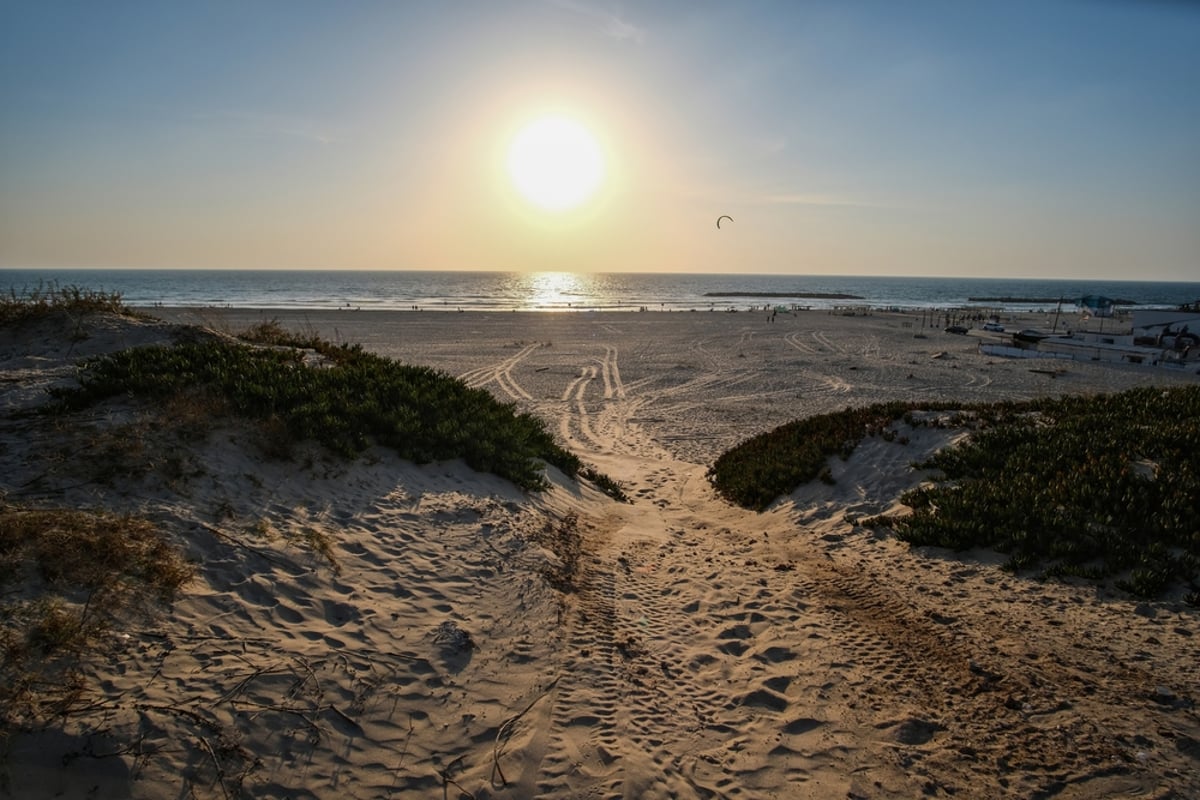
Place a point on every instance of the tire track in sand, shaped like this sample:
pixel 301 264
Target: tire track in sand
pixel 627 720
pixel 797 340
pixel 900 656
pixel 603 428
pixel 574 416
pixel 501 374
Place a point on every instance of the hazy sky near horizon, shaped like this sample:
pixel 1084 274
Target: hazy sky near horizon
pixel 1024 138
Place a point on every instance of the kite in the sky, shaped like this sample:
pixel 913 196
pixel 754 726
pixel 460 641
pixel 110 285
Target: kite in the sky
pixel 723 216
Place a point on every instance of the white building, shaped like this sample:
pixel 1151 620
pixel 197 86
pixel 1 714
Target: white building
pixel 1155 338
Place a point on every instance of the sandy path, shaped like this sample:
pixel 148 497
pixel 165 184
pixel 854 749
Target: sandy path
pixel 714 652
pixel 702 650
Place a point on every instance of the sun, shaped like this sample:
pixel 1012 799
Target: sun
pixel 555 163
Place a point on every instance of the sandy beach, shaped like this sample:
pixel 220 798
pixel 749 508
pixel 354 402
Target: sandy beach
pixel 698 649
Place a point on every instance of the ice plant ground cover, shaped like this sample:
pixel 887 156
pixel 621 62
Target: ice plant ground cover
pixel 1090 486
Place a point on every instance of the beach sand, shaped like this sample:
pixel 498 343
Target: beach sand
pixel 463 639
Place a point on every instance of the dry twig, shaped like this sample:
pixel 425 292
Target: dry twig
pixel 505 731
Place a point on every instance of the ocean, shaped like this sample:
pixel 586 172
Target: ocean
pixel 556 291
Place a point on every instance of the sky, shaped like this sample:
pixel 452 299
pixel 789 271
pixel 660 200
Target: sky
pixel 1051 138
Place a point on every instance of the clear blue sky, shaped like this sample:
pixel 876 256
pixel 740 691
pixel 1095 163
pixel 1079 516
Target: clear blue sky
pixel 1052 138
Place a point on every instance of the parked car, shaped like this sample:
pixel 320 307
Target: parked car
pixel 994 327
pixel 959 329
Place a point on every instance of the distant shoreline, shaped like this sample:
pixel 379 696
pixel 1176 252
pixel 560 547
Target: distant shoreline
pixel 802 295
pixel 1002 299
pixel 505 291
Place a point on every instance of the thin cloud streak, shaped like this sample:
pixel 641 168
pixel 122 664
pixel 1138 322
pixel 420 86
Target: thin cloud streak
pixel 813 200
pixel 263 125
pixel 610 24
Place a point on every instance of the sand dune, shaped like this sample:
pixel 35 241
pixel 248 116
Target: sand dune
pixel 460 638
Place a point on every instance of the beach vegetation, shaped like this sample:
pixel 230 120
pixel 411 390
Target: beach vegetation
pixel 563 538
pixel 50 299
pixel 317 541
pixel 120 452
pixel 69 579
pixel 757 472
pixel 272 333
pixel 606 484
pixel 345 400
pixel 1094 487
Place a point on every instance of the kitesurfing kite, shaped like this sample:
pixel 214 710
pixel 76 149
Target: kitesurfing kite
pixel 723 216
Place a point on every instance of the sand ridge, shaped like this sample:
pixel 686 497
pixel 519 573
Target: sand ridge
pixel 691 649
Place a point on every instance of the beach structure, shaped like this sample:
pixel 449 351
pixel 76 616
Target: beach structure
pixel 1159 325
pixel 1154 338
pixel 1096 305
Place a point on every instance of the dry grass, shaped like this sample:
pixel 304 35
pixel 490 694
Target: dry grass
pixel 67 578
pixel 566 542
pixel 316 540
pixel 46 300
pixel 306 537
pixel 150 441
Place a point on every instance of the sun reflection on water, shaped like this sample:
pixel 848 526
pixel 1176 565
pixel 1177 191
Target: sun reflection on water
pixel 546 290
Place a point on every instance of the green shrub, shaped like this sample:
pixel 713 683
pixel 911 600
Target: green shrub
pixel 355 399
pixel 758 471
pixel 606 484
pixel 1092 486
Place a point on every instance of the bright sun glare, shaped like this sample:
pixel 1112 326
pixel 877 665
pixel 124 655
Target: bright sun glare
pixel 555 163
